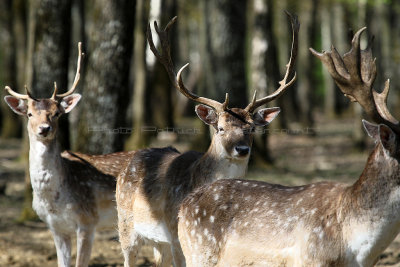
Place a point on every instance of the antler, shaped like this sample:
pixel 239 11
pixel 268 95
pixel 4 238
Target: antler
pixel 17 95
pixel 54 95
pixel 165 58
pixel 76 80
pixel 289 69
pixel 355 74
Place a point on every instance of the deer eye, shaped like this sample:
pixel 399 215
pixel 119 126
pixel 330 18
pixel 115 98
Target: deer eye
pixel 30 115
pixel 220 129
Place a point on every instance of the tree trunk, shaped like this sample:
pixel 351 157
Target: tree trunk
pixel 263 66
pixel 225 33
pixel 8 119
pixel 139 138
pixel 326 42
pixel 340 40
pixel 109 30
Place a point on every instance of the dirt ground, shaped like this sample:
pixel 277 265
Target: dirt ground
pixel 299 159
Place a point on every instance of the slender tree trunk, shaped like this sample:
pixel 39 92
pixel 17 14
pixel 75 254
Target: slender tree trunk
pixel 263 66
pixel 139 137
pixel 339 38
pixel 160 91
pixel 77 35
pixel 326 42
pixel 106 91
pixel 8 119
pixel 225 50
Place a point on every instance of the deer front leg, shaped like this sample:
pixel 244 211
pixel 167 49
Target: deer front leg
pixel 130 244
pixel 177 253
pixel 84 241
pixel 162 255
pixel 63 247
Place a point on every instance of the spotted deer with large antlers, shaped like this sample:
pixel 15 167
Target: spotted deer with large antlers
pixel 73 193
pixel 250 223
pixel 155 182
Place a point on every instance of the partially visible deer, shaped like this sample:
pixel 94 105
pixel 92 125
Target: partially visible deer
pixel 150 190
pixel 250 223
pixel 73 193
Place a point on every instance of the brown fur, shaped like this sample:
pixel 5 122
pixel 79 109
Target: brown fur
pixel 242 223
pixel 152 187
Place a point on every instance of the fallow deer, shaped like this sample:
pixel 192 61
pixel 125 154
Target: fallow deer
pixel 250 223
pixel 73 193
pixel 156 180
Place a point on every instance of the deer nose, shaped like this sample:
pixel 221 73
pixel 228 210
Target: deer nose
pixel 242 150
pixel 44 129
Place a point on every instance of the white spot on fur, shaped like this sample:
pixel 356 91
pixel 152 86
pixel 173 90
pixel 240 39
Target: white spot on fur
pixel 212 219
pixel 313 211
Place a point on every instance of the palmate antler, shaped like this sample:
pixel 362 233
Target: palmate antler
pixel 355 74
pixel 165 58
pixel 54 96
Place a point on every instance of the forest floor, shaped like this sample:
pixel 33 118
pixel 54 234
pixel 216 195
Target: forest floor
pixel 299 159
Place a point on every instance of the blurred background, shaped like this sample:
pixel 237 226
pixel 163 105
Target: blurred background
pixel 232 46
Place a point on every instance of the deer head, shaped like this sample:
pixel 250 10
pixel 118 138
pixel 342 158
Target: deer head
pixel 234 126
pixel 43 114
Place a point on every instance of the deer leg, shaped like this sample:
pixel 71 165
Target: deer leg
pixel 162 255
pixel 130 245
pixel 63 247
pixel 84 241
pixel 177 253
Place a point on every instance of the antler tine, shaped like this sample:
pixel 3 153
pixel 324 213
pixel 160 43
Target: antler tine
pixel 165 58
pixel 206 101
pixel 289 69
pixel 77 75
pixel 17 95
pixel 381 103
pixel 355 74
pixel 54 95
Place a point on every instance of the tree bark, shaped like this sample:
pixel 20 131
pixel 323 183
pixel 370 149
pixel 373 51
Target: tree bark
pixel 109 31
pixel 225 33
pixel 8 119
pixel 263 66
pixel 139 138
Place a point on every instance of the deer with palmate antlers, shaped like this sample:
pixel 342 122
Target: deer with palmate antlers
pixel 155 182
pixel 243 223
pixel 73 193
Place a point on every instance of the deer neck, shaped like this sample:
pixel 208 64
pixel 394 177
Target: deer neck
pixel 379 185
pixel 45 164
pixel 215 164
pixel 373 205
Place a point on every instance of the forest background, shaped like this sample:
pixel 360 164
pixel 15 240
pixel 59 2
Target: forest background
pixel 232 46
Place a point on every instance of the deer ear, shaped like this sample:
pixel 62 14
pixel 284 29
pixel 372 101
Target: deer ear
pixel 265 116
pixel 17 105
pixel 69 102
pixel 371 129
pixel 388 139
pixel 207 114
